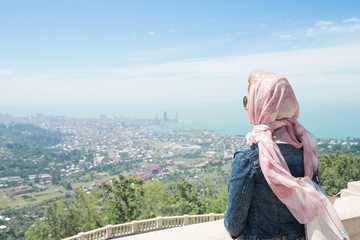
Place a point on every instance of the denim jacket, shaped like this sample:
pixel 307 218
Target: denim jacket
pixel 253 211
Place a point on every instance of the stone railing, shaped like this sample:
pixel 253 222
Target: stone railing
pixel 347 206
pixel 124 229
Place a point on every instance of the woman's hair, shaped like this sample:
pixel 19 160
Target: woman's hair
pixel 252 77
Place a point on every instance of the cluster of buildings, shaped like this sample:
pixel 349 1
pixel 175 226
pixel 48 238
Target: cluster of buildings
pixel 328 145
pixel 110 141
pixel 146 152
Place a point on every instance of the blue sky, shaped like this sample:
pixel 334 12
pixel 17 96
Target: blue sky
pixel 137 51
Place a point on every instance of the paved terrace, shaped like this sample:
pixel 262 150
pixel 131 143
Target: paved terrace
pixel 211 226
pixel 203 231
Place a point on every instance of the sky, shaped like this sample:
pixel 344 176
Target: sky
pixel 86 52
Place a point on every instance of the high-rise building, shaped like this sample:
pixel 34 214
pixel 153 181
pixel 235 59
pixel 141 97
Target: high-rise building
pixel 165 116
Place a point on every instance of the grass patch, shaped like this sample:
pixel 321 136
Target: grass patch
pixel 16 201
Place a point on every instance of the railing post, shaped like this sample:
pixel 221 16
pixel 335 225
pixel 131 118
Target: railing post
pixel 108 231
pixel 82 236
pixel 135 226
pixel 212 217
pixel 186 220
pixel 159 221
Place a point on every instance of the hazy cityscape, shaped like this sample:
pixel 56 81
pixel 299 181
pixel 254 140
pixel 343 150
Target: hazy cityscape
pixel 130 143
pixel 83 153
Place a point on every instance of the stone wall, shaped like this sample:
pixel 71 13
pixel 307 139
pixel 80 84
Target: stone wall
pixel 348 208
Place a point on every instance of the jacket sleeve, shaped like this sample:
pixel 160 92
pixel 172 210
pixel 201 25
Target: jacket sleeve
pixel 241 188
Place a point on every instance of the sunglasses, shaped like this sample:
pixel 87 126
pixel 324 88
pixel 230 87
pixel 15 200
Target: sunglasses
pixel 245 101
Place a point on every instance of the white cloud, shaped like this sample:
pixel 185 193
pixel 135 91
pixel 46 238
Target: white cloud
pixel 329 27
pixel 152 33
pixel 135 59
pixel 296 61
pixel 282 35
pixel 173 31
pixel 324 24
pixel 355 28
pixel 352 20
pixel 334 28
pixel 315 74
pixel 166 50
pixel 5 72
pixel 285 36
pixel 309 32
pixel 241 33
pixel 40 77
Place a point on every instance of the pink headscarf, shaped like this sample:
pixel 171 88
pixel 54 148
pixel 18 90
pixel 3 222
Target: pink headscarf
pixel 273 109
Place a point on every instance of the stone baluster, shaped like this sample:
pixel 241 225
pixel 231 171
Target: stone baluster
pixel 108 231
pixel 135 226
pixel 159 221
pixel 82 236
pixel 186 220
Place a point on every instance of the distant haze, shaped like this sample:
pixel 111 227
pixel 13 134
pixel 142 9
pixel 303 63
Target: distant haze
pixel 337 121
pixel 87 57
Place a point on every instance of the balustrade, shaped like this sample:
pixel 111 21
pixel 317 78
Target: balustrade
pixel 146 225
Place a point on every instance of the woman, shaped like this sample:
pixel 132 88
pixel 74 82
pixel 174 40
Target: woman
pixel 267 199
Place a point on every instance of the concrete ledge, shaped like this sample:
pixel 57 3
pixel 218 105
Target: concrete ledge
pixel 348 209
pixel 203 231
pixel 347 193
pixel 354 186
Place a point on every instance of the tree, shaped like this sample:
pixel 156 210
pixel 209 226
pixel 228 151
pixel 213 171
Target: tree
pixel 87 206
pixel 68 186
pixel 66 218
pixel 62 219
pixel 38 231
pixel 219 202
pixel 123 199
pixel 187 199
pixel 156 200
pixel 337 170
pixel 55 178
pixel 37 179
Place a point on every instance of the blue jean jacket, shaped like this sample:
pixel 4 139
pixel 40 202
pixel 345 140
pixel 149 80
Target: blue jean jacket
pixel 253 211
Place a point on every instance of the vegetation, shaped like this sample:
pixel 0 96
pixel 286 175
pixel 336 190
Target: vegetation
pixel 123 200
pixel 336 170
pixel 19 135
pixel 130 198
pixel 27 150
pixel 22 219
pixel 66 218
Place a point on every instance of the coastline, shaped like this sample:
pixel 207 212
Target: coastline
pixel 228 118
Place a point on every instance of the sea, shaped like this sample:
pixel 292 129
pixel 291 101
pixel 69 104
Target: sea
pixel 337 121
